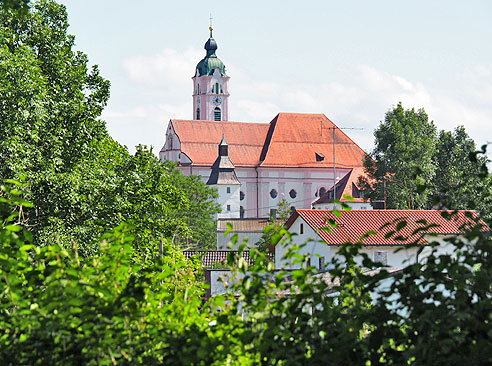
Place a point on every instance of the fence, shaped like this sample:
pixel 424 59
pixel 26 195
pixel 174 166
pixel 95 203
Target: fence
pixel 210 257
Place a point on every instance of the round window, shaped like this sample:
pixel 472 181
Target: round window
pixel 322 191
pixel 292 193
pixel 241 195
pixel 273 193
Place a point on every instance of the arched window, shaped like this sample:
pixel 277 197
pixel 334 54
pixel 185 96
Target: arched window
pixel 217 90
pixel 198 113
pixel 198 88
pixel 241 212
pixel 217 114
pixel 241 195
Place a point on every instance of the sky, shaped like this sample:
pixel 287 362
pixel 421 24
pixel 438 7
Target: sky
pixel 350 60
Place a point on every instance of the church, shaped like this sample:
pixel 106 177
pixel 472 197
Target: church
pixel 302 158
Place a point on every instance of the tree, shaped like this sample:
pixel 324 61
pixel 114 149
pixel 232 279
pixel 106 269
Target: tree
pixel 81 182
pixel 460 182
pixel 50 105
pixel 199 217
pixel 19 5
pixel 59 308
pixel 413 167
pixel 272 233
pixel 402 160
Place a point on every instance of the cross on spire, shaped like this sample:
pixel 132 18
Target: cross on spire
pixel 211 28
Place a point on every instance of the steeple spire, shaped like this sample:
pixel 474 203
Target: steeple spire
pixel 210 85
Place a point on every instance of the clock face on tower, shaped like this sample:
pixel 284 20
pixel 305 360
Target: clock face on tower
pixel 217 100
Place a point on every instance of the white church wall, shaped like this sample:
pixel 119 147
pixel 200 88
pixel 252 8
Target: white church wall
pixel 304 181
pixel 336 206
pixel 228 201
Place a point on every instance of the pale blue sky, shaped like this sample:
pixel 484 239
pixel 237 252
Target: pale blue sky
pixel 351 60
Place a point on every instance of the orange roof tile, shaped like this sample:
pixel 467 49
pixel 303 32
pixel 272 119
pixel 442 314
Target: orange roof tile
pixel 353 224
pixel 295 138
pixel 199 140
pixel 290 140
pixel 345 186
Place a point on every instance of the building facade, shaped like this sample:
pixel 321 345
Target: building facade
pixel 386 243
pixel 297 157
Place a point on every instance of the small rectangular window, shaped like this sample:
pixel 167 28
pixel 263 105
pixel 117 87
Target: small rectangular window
pixel 228 207
pixel 381 256
pixel 228 189
pixel 301 231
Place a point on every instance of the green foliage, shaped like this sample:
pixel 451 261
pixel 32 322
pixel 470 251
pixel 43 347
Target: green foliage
pixel 59 308
pixel 68 297
pixel 419 315
pixel 461 181
pixel 413 167
pixel 272 233
pixel 402 159
pixel 199 215
pixel 21 6
pixel 82 183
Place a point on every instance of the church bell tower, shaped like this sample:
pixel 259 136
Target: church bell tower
pixel 210 86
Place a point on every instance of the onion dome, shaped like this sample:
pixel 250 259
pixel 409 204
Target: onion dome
pixel 210 62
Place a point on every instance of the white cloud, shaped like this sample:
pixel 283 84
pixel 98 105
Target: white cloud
pixel 361 96
pixel 169 67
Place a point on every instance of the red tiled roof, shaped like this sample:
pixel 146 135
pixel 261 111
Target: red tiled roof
pixel 290 140
pixel 352 225
pixel 199 140
pixel 210 257
pixel 345 186
pixel 295 138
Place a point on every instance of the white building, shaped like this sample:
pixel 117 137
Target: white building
pixel 309 226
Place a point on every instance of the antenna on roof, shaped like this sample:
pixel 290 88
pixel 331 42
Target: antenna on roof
pixel 334 165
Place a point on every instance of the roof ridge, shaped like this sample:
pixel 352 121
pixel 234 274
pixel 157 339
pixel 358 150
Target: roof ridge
pixel 215 144
pixel 208 121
